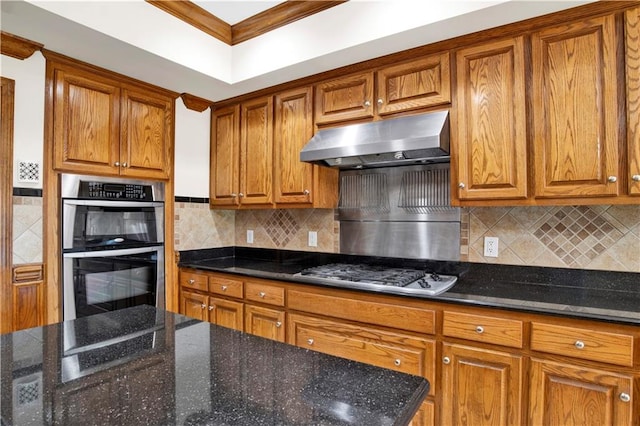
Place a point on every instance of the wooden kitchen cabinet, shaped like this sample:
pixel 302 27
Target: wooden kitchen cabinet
pixel 575 109
pixel 194 305
pixel 562 394
pixel 264 322
pixel 346 98
pixel 102 125
pixel 224 175
pixel 481 386
pixel 490 145
pixel 632 61
pixel 226 313
pixel 27 290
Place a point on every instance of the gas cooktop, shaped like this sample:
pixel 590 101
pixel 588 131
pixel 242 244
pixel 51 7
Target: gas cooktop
pixel 381 278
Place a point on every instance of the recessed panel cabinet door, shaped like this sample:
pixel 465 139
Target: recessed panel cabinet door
pixel 575 107
pixel 632 48
pixel 491 141
pixel 86 114
pixel 347 98
pixel 256 152
pixel 564 395
pixel 264 322
pixel 293 129
pixel 194 305
pixel 226 313
pixel 225 156
pixel 145 149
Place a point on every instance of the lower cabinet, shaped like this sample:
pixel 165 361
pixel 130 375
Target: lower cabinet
pixel 227 313
pixel 562 394
pixel 264 322
pixel 480 386
pixel 194 305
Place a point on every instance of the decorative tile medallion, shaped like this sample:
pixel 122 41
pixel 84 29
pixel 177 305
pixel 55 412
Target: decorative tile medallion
pixel 281 226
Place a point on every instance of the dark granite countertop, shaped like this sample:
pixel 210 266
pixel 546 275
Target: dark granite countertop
pixel 602 295
pixel 142 366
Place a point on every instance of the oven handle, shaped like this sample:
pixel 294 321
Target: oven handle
pixel 112 253
pixel 108 203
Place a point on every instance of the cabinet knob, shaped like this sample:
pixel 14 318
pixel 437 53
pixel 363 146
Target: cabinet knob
pixel 479 329
pixel 203 306
pixel 224 288
pixel 234 195
pixel 579 344
pixel 380 101
pixel 117 164
pixel 241 195
pixel 211 307
pixel 192 281
pixel 612 179
pixel 461 185
pixel 397 362
pixel 262 294
pixel 367 103
pixel 446 360
pixel 306 192
pixel 625 397
pixel 125 164
pixel 278 324
pixel 635 178
pixel 310 341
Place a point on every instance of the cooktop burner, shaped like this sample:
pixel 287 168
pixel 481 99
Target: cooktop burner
pixel 381 278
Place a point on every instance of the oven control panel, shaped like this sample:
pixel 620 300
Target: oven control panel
pixel 115 191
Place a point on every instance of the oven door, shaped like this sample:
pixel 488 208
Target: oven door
pixel 108 280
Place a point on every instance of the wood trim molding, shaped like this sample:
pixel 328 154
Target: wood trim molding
pixel 195 103
pixel 17 47
pixel 276 17
pixel 6 201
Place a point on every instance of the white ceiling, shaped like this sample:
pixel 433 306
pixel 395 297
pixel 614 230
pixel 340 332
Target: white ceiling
pixel 137 39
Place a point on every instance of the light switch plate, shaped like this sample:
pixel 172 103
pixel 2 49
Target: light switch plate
pixel 313 239
pixel 249 236
pixel 491 246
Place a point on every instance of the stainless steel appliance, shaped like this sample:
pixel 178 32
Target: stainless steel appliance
pixel 112 244
pixel 381 278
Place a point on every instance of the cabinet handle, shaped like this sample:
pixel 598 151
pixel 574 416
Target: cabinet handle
pixel 241 195
pixel 262 294
pixel 224 288
pixel 579 344
pixel 234 195
pixel 310 341
pixel 612 179
pixel 278 324
pixel 367 103
pixel 446 360
pixel 117 164
pixel 192 281
pixel 203 306
pixel 211 307
pixel 306 192
pixel 397 362
pixel 479 329
pixel 125 164
pixel 461 185
pixel 625 397
pixel 380 101
pixel 635 178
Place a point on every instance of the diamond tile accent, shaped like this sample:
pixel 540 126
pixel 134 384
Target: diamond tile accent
pixel 577 234
pixel 281 226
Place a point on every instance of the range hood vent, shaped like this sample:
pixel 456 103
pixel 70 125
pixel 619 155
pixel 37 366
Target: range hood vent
pixel 417 139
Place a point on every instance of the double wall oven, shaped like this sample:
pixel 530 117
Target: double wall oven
pixel 112 244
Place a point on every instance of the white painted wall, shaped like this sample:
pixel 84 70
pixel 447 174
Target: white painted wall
pixel 28 132
pixel 191 152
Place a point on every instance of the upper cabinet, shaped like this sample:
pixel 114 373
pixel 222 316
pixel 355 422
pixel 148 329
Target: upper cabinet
pixel 575 110
pixel 225 157
pixel 102 125
pixel 491 141
pixel 632 49
pixel 399 88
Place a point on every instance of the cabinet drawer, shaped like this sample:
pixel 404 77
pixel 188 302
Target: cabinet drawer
pixel 225 286
pixel 582 343
pixel 264 293
pixel 481 328
pixel 385 349
pixel 194 281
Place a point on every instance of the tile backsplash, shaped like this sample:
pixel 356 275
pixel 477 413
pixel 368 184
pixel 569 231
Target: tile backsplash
pixel 27 230
pixel 196 226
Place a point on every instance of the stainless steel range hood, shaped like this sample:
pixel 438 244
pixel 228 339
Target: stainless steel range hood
pixel 408 140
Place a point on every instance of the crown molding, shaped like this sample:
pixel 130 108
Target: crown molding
pixel 195 103
pixel 17 47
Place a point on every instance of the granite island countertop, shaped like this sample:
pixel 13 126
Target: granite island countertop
pixel 147 366
pixel 601 295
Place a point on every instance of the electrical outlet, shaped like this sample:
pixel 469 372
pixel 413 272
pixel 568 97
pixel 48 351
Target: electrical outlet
pixel 491 246
pixel 249 236
pixel 313 239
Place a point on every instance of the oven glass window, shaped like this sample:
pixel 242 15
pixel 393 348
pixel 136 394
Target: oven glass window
pixel 110 283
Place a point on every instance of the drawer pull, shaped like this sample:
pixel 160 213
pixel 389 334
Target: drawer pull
pixel 224 288
pixel 278 324
pixel 446 360
pixel 262 294
pixel 310 341
pixel 579 344
pixel 397 362
pixel 211 307
pixel 624 397
pixel 479 329
pixel 192 281
pixel 203 306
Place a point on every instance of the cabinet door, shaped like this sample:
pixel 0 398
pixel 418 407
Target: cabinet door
pixel 146 134
pixel 293 129
pixel 28 305
pixel 566 395
pixel 481 387
pixel 86 117
pixel 491 139
pixel 425 415
pixel 632 30
pixel 256 152
pixel 264 322
pixel 347 98
pixel 225 157
pixel 226 313
pixel 575 109
pixel 194 305
pixel 417 84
